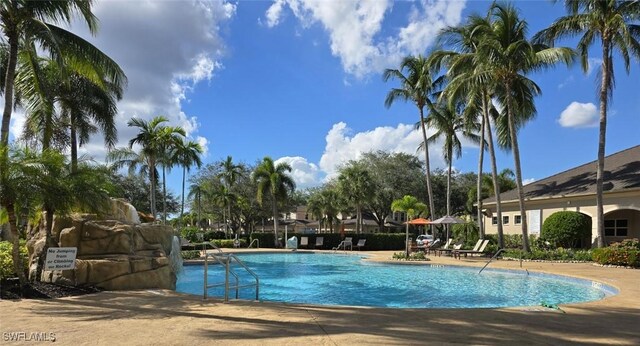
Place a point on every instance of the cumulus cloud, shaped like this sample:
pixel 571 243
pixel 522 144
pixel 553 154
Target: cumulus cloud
pixel 165 48
pixel 528 181
pixel 354 29
pixel 304 173
pixel 579 115
pixel 343 146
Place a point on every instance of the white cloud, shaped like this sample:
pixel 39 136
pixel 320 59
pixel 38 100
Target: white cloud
pixel 304 173
pixel 579 115
pixel 528 181
pixel 165 48
pixel 354 29
pixel 343 146
pixel 204 143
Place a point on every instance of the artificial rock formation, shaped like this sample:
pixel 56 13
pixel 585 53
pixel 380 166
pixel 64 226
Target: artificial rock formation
pixel 114 252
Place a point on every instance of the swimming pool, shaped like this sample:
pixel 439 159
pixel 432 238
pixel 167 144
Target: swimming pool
pixel 336 279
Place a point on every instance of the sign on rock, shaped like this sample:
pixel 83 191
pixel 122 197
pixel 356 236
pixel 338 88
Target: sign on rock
pixel 61 258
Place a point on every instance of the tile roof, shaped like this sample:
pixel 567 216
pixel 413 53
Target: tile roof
pixel 622 172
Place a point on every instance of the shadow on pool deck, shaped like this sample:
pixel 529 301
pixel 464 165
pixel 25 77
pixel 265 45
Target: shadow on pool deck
pixel 188 319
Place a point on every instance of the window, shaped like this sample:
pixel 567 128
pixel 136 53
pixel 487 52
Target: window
pixel 505 220
pixel 306 216
pixel 517 219
pixel 616 228
pixel 494 220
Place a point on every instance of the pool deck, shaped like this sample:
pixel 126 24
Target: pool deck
pixel 162 317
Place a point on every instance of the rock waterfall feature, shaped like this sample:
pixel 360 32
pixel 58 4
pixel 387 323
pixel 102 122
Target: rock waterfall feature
pixel 115 252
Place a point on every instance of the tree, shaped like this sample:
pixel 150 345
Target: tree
pixel 509 56
pixel 229 174
pixel 413 208
pixel 187 154
pixel 275 181
pixel 448 122
pixel 416 85
pixel 195 192
pixel 356 187
pixel 615 25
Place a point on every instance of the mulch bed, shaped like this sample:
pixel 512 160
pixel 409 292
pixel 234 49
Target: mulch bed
pixel 10 289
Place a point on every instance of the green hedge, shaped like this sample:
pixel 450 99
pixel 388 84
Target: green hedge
pixel 191 234
pixel 375 241
pixel 559 254
pixel 625 253
pixel 190 254
pixel 511 241
pixel 567 229
pixel 6 261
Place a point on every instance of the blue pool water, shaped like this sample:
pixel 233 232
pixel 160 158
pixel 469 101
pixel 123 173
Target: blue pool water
pixel 335 279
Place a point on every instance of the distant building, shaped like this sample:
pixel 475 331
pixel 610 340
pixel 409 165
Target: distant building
pixel 575 190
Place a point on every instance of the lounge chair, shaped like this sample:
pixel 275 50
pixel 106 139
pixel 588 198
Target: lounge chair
pixel 436 246
pixel 448 251
pixel 432 247
pixel 320 242
pixel 479 250
pixel 304 241
pixel 360 244
pixel 343 244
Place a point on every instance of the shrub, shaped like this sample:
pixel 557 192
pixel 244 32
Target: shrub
pixel 190 254
pixel 415 256
pixel 6 261
pixel 468 233
pixel 511 241
pixel 625 253
pixel 190 234
pixel 566 229
pixel 559 254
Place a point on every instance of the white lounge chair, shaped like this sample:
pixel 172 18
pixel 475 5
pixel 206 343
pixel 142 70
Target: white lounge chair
pixel 304 241
pixel 360 244
pixel 457 253
pixel 320 242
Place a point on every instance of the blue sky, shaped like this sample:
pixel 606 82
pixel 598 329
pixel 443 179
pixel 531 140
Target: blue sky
pixel 301 81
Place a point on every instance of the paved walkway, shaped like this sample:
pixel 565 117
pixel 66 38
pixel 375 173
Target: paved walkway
pixel 156 317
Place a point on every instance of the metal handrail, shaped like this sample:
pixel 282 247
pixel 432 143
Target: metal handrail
pixel 491 259
pixel 225 260
pixel 344 245
pixel 254 241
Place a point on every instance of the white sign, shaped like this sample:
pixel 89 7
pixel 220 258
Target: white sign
pixel 61 258
pixel 534 217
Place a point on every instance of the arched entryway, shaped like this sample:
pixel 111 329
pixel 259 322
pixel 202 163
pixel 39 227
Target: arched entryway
pixel 620 224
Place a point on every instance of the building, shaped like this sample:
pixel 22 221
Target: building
pixel 575 190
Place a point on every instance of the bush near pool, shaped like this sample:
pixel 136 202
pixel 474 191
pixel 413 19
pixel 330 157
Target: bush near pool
pixel 6 261
pixel 625 253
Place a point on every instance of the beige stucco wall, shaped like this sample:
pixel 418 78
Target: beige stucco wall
pixel 616 206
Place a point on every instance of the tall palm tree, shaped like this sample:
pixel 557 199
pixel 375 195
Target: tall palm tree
pixel 462 64
pixel 357 188
pixel 413 208
pixel 224 198
pixel 416 85
pixel 29 24
pixel 616 25
pixel 509 57
pixel 195 191
pixel 169 138
pixel 448 123
pixel 230 173
pixel 187 154
pixel 275 181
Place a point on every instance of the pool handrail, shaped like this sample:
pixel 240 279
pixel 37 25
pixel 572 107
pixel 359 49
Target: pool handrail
pixel 256 240
pixel 225 259
pixel 491 259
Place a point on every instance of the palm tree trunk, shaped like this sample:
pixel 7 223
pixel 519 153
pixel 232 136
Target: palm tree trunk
pixel 516 160
pixel 427 166
pixel 15 253
pixel 74 145
pixel 479 184
pixel 494 174
pixel 199 209
pixel 152 187
pixel 12 38
pixel 164 196
pixel 275 222
pixel 450 150
pixel 358 220
pixel 604 88
pixel 184 171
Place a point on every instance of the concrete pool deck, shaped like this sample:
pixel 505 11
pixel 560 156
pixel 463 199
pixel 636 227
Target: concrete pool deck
pixel 161 317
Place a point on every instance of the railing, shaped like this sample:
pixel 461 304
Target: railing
pixel 491 259
pixel 255 241
pixel 344 244
pixel 225 260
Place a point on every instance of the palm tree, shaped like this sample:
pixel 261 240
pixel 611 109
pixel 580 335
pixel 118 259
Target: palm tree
pixel 615 24
pixel 275 181
pixel 509 57
pixel 448 122
pixel 169 138
pixel 224 198
pixel 230 173
pixel 462 64
pixel 150 137
pixel 356 187
pixel 187 154
pixel 417 85
pixel 412 208
pixel 195 191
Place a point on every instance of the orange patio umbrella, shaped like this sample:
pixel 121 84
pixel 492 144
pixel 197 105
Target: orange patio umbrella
pixel 418 221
